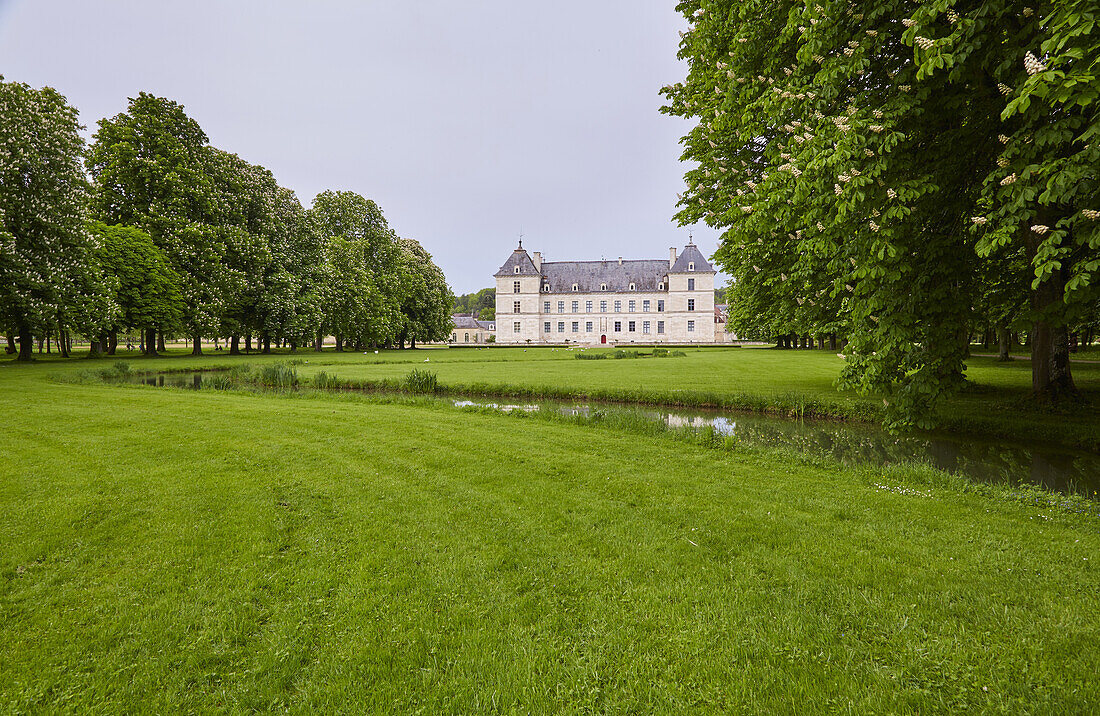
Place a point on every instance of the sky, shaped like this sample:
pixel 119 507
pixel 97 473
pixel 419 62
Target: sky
pixel 468 122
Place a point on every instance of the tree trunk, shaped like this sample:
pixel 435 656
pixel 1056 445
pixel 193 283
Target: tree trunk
pixel 1003 344
pixel 266 342
pixel 247 342
pixel 412 343
pixel 63 343
pixel 48 339
pixel 293 345
pixel 320 342
pixel 151 342
pixel 832 341
pixel 10 348
pixel 234 345
pixel 196 344
pixel 26 345
pixel 160 342
pixel 95 347
pixel 1051 378
pixel 112 341
pixel 339 343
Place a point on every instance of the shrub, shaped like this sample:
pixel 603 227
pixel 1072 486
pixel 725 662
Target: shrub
pixel 590 356
pixel 676 354
pixel 221 382
pixel 422 381
pixel 660 353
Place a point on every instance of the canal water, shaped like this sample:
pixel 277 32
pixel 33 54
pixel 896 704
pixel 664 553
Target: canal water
pixel 991 461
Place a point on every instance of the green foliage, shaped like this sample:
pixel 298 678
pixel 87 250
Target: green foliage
pixel 421 381
pixel 843 149
pixel 47 277
pixel 481 304
pixel 325 381
pixel 277 375
pixel 146 288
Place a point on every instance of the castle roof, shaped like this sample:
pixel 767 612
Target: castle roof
pixel 521 259
pixel 590 275
pixel 691 254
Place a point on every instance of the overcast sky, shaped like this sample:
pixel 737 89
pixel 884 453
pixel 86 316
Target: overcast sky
pixel 466 121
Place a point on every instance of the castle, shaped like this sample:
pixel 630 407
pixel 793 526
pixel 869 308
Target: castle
pixel 607 302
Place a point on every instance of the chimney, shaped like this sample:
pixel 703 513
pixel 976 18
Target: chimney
pixel 538 261
pixel 620 260
pixel 672 257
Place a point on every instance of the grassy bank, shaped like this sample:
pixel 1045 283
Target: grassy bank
pixel 799 383
pixel 170 550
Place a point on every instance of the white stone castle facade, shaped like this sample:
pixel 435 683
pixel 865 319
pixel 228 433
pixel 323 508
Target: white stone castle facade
pixel 607 302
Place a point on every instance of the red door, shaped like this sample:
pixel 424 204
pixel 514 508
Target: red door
pixel 603 339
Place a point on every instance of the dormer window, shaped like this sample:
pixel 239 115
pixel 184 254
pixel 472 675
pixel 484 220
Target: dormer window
pixel 603 286
pixel 691 266
pixel 631 287
pixel 517 269
pixel 546 288
pixel 660 287
pixel 575 288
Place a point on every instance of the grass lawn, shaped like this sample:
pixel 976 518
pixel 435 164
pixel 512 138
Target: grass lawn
pixel 166 550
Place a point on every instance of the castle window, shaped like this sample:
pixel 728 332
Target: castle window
pixel 645 306
pixel 561 306
pixel 546 307
pixel 454 338
pixel 517 269
pixel 467 337
pixel 618 306
pixel 574 288
pixel 516 327
pixel 575 306
pixel 691 326
pixel 561 326
pixel 588 326
pixel 576 326
pixel 603 286
pixel 691 284
pixel 631 287
pixel 691 304
pixel 632 306
pixel 660 326
pixel 645 326
pixel 618 326
pixel 630 326
pixel 515 306
pixel 515 287
pixel 546 288
pixel 603 306
pixel 660 306
pixel 691 266
pixel 546 327
pixel 660 287
pixel 588 307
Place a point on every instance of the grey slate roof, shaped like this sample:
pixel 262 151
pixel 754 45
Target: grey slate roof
pixel 465 320
pixel 519 258
pixel 691 253
pixel 486 325
pixel 588 275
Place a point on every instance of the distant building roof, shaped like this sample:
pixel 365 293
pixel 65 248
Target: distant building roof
pixel 464 320
pixel 691 254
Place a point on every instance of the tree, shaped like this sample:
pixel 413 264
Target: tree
pixel 46 276
pixel 146 288
pixel 843 147
pixel 426 298
pixel 151 168
pixel 360 288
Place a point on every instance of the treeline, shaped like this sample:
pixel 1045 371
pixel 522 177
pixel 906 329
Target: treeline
pixel 903 176
pixel 151 229
pixel 481 304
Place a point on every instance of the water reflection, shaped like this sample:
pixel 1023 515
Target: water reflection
pixel 991 461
